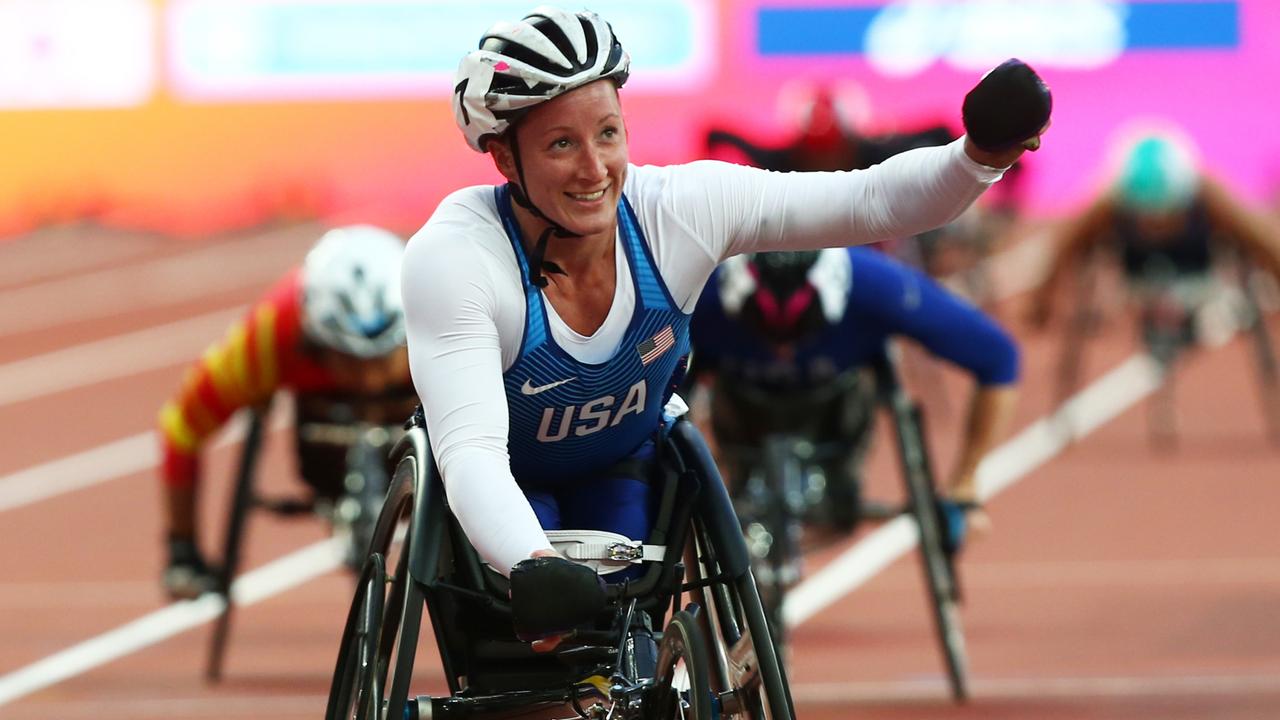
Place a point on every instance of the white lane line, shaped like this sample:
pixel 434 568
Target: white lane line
pixel 105 462
pixel 267 581
pixel 114 357
pixel 1097 404
pixel 54 250
pixel 1068 688
pixel 116 459
pixel 257 260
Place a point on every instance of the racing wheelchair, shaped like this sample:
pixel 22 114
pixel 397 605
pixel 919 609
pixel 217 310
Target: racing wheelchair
pixel 1176 312
pixel 342 457
pixel 712 657
pixel 792 480
pixel 791 459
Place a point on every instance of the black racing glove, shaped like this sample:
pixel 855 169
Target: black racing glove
pixel 551 596
pixel 1009 105
pixel 187 576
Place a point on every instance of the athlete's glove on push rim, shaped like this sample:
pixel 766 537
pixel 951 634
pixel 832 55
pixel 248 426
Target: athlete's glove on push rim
pixel 551 596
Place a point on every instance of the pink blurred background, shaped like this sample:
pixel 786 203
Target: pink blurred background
pixel 167 161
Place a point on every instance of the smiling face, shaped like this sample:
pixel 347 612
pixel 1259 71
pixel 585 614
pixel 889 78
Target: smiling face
pixel 573 149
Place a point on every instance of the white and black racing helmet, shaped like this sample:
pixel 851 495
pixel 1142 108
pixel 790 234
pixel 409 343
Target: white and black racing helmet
pixel 519 65
pixel 351 291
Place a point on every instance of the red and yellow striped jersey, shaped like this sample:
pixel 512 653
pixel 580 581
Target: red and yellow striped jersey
pixel 260 353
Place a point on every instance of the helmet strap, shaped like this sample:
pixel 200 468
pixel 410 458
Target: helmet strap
pixel 537 261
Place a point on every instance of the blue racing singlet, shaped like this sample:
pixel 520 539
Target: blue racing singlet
pixel 570 419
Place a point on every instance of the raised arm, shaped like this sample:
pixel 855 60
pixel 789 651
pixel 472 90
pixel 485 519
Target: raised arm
pixel 1067 250
pixel 904 301
pixel 1256 235
pixel 239 370
pixel 736 209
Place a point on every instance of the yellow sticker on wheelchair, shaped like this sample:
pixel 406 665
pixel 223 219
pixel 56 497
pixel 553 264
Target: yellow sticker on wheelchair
pixel 599 682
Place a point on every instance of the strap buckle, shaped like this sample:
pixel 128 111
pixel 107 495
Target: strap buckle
pixel 621 552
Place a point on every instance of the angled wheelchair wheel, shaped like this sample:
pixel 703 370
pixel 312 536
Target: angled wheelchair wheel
pixel 365 488
pixel 356 693
pixel 681 686
pixel 1264 354
pixel 779 569
pixel 944 593
pixel 938 565
pixel 233 540
pixel 395 626
pixel 746 671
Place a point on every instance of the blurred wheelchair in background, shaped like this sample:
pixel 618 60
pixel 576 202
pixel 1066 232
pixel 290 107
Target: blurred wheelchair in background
pixel 342 445
pixel 1176 312
pixel 807 479
pixel 711 657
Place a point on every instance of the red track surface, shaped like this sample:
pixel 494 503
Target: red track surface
pixel 1119 582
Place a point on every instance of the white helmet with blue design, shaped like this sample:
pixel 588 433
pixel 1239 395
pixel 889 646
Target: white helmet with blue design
pixel 351 291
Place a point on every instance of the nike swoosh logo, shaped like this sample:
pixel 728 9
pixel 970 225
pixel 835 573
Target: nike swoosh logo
pixel 529 389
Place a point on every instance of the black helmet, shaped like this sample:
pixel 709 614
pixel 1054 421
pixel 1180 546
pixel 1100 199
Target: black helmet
pixel 784 306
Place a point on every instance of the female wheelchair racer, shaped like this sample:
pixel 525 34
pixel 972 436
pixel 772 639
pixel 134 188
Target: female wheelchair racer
pixel 547 328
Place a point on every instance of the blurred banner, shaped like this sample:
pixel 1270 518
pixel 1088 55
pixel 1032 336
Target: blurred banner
pixel 196 116
pixel 59 54
pixel 359 49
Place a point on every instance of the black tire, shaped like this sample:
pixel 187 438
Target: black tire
pixel 399 618
pixel 746 670
pixel 367 470
pixel 732 610
pixel 1264 355
pixel 242 500
pixel 944 596
pixel 356 693
pixel 782 519
pixel 1165 343
pixel 1084 322
pixel 681 685
pixel 937 562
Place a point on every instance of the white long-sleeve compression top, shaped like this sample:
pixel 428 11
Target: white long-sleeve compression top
pixel 465 305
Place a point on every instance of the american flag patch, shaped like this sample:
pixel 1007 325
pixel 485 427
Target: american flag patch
pixel 653 348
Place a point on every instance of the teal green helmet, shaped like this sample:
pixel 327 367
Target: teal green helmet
pixel 1158 175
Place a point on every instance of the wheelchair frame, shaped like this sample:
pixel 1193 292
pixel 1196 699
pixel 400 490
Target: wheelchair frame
pixel 938 564
pixel 438 570
pixel 1165 348
pixel 782 470
pixel 244 498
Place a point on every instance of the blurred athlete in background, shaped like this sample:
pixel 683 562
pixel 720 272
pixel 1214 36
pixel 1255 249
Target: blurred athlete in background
pixel 332 332
pixel 1165 220
pixel 798 327
pixel 1175 233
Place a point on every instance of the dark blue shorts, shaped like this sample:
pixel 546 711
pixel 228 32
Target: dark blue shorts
pixel 616 503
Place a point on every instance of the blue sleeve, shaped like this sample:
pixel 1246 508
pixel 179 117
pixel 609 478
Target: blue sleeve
pixel 706 326
pixel 904 301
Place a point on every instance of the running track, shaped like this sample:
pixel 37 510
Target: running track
pixel 1118 583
